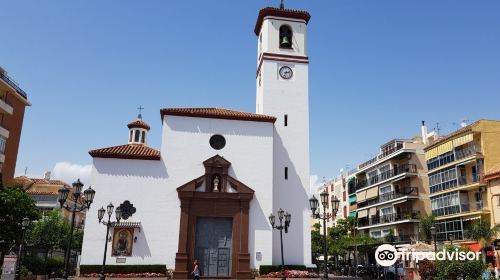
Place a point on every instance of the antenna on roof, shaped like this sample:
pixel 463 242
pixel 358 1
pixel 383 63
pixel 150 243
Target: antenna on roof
pixel 282 5
pixel 25 171
pixel 438 129
pixel 140 108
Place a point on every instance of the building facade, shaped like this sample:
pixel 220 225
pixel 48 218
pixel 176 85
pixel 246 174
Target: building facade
pixel 391 192
pixel 206 194
pixel 458 190
pixel 13 101
pixel 44 192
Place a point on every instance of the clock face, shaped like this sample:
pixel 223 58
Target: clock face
pixel 286 72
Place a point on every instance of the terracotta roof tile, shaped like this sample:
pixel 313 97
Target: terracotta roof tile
pixel 128 151
pixel 139 123
pixel 493 172
pixel 217 113
pixel 42 193
pixel 286 13
pixel 21 179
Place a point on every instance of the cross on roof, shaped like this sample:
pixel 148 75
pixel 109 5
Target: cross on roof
pixel 282 5
pixel 140 108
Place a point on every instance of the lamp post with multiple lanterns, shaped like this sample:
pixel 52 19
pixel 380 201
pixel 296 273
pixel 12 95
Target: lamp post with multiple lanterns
pixel 75 204
pixel 281 227
pixel 24 225
pixel 314 204
pixel 108 224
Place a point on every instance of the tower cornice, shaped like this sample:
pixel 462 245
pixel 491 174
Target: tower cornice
pixel 281 13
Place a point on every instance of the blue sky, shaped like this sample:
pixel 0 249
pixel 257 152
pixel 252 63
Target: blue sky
pixel 377 68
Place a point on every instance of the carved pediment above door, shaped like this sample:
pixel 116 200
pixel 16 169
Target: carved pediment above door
pixel 216 180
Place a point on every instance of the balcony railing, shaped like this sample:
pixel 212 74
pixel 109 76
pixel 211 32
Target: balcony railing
pixel 390 196
pixel 466 180
pixel 12 83
pixel 391 218
pixel 465 153
pixel 405 168
pixel 385 152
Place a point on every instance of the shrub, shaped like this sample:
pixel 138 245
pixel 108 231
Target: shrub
pixel 265 269
pixel 124 269
pixel 37 265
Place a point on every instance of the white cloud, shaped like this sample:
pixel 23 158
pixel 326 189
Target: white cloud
pixel 69 173
pixel 314 183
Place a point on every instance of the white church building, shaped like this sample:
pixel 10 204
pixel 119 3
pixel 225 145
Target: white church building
pixel 206 194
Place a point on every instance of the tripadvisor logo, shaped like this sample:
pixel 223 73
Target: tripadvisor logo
pixel 387 255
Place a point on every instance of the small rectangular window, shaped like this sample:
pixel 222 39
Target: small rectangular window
pixel 286 173
pixel 286 120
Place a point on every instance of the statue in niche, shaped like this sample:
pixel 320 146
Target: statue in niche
pixel 215 183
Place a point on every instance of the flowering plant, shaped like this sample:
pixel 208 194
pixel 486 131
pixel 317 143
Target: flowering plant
pixel 126 275
pixel 291 274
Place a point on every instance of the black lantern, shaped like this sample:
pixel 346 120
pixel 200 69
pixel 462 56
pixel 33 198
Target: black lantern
pixel 288 219
pixel 118 214
pixel 335 204
pixel 89 196
pixel 100 213
pixel 324 198
pixel 433 233
pixel 110 208
pixel 313 203
pixel 77 187
pixel 280 214
pixel 25 223
pixel 272 219
pixel 63 195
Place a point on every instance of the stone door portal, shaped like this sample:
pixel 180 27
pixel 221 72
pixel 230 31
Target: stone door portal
pixel 213 246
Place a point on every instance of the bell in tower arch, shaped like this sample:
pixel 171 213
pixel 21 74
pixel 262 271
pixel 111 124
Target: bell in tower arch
pixel 285 36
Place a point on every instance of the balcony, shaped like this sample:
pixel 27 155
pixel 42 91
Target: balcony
pixel 13 84
pixel 6 108
pixel 460 183
pixel 406 191
pixel 463 209
pixel 391 218
pixel 450 157
pixel 405 168
pixel 386 151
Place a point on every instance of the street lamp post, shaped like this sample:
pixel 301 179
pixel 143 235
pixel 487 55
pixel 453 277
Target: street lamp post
pixel 314 204
pixel 281 227
pixel 75 204
pixel 451 237
pixel 433 233
pixel 108 224
pixel 24 225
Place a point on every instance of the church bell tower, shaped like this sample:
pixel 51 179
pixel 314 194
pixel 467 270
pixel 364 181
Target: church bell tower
pixel 283 92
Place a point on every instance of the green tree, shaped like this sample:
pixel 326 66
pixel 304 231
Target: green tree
pixel 456 269
pixel 483 233
pixel 15 204
pixel 426 222
pixel 49 233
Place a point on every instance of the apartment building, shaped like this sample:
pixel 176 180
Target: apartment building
pixel 391 191
pixel 336 187
pixel 458 190
pixel 13 101
pixel 44 192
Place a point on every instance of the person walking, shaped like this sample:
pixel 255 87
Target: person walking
pixel 196 271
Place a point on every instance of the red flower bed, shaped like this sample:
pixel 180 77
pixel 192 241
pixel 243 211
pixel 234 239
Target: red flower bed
pixel 291 274
pixel 126 275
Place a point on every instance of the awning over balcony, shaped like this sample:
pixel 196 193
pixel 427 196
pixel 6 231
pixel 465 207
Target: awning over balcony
pixel 448 146
pixel 372 211
pixel 352 214
pixel 361 196
pixel 462 140
pixel 362 214
pixel 371 193
pixel 352 199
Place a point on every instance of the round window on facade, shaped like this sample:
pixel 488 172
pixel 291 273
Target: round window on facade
pixel 217 141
